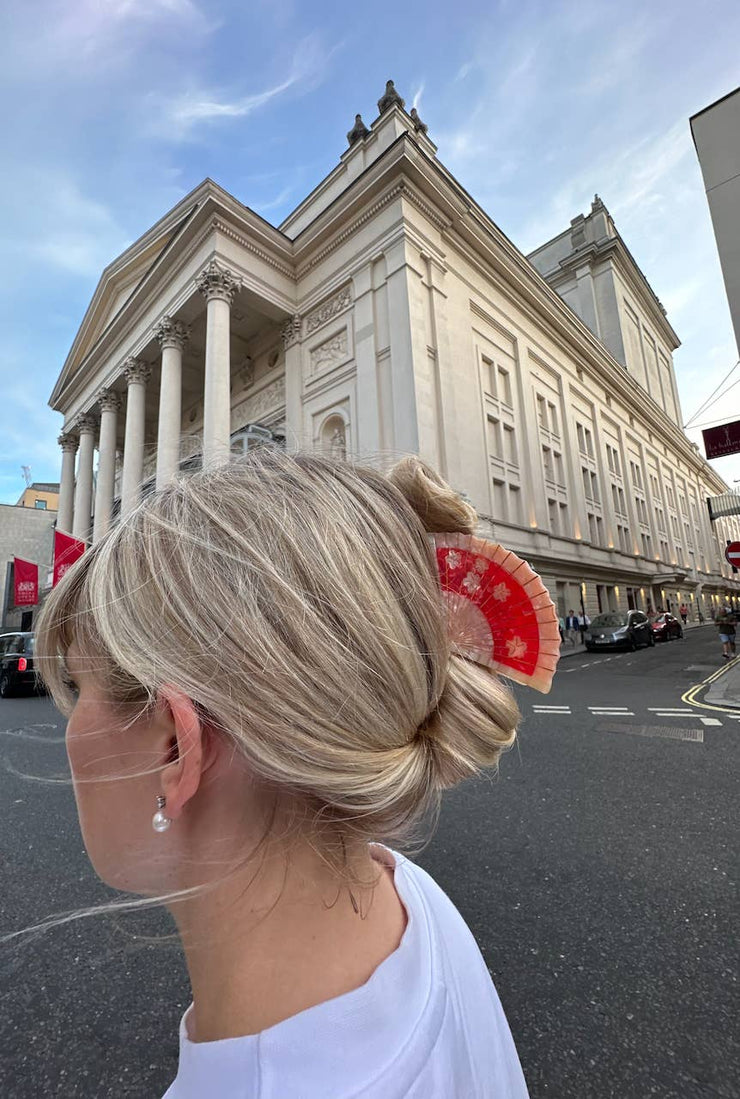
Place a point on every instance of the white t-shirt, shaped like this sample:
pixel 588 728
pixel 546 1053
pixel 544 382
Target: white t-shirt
pixel 428 1024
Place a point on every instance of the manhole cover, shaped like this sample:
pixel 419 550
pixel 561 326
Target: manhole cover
pixel 657 730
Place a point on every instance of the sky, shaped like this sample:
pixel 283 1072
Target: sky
pixel 115 109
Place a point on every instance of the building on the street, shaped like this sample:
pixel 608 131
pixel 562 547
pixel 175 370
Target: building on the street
pixel 716 133
pixel 388 313
pixel 28 533
pixel 41 496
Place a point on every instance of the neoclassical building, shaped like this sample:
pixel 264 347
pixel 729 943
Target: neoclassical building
pixel 389 314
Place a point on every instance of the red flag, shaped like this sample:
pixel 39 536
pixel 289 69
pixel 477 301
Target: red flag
pixel 66 552
pixel 26 583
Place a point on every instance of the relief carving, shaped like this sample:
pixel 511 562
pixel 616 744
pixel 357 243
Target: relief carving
pixel 254 408
pixel 329 309
pixel 331 351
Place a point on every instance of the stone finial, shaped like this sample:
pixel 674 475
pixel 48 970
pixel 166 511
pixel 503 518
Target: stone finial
pixel 358 131
pixel 419 126
pixel 597 204
pixel 291 331
pixel 216 281
pixel 390 99
pixel 136 370
pixel 108 400
pixel 171 333
pixel 68 441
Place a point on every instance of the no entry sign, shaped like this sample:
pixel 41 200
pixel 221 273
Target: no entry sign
pixel 732 554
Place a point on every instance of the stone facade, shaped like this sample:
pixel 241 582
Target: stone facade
pixel 27 533
pixel 389 314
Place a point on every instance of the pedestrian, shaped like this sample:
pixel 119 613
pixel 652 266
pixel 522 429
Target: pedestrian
pixel 561 629
pixel 583 623
pixel 726 625
pixel 684 612
pixel 571 627
pixel 261 654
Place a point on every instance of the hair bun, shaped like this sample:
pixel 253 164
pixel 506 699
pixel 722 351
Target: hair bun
pixel 440 508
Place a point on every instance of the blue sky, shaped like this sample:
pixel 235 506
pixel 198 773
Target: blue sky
pixel 114 109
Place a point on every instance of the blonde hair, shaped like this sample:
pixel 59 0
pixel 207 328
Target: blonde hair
pixel 295 600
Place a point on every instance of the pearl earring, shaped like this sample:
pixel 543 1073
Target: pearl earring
pixel 160 823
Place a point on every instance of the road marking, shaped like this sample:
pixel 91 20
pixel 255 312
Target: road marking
pixel 695 735
pixel 710 721
pixel 608 709
pixel 668 709
pixel 551 709
pixel 689 696
pixel 674 713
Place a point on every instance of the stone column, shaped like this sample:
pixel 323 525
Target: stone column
pixel 137 375
pixel 69 444
pixel 294 428
pixel 85 427
pixel 172 336
pixel 109 403
pixel 218 286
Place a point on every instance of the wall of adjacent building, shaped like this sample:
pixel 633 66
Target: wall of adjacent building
pixel 29 534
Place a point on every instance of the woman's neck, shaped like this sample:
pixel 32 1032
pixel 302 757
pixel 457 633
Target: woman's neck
pixel 266 946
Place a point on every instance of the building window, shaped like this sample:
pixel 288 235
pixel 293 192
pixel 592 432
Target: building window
pixel 552 512
pixel 612 458
pixel 494 437
pixel 40 505
pixel 499 500
pixel 510 451
pixel 515 506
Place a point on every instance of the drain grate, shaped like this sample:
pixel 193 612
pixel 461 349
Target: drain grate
pixel 666 731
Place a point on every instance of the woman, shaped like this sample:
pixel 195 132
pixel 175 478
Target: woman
pixel 260 685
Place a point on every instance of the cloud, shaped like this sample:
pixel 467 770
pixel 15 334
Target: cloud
pixel 180 115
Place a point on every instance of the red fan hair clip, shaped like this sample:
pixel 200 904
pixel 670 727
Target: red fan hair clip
pixel 499 612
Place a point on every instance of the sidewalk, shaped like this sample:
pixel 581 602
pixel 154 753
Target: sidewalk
pixel 566 649
pixel 725 691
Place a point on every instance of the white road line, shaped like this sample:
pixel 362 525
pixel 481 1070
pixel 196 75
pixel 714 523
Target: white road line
pixel 710 721
pixel 613 709
pixel 552 709
pixel 668 709
pixel 612 713
pixel 673 713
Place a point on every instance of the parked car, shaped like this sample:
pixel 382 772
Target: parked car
pixel 619 629
pixel 16 663
pixel 667 626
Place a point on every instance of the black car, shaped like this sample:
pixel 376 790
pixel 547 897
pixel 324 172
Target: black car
pixel 16 663
pixel 617 629
pixel 667 626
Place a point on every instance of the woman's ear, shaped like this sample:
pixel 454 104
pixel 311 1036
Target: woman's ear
pixel 184 734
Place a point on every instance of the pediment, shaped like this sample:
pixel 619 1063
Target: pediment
pixel 116 286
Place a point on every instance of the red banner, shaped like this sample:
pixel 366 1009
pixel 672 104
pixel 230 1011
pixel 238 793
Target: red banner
pixel 26 583
pixel 723 440
pixel 66 552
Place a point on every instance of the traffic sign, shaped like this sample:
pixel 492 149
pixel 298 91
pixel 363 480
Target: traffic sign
pixel 732 554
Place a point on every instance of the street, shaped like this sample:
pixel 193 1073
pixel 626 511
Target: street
pixel 597 872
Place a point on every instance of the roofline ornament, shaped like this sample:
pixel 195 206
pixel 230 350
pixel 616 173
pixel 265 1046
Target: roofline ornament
pixel 358 131
pixel 390 99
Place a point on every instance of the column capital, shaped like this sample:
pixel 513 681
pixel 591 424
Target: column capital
pixel 86 424
pixel 291 332
pixel 136 370
pixel 109 400
pixel 69 442
pixel 171 333
pixel 216 281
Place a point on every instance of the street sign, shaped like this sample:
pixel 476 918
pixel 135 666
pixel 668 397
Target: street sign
pixel 723 440
pixel 732 554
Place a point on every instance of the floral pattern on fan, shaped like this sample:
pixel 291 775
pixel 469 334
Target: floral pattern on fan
pixel 500 614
